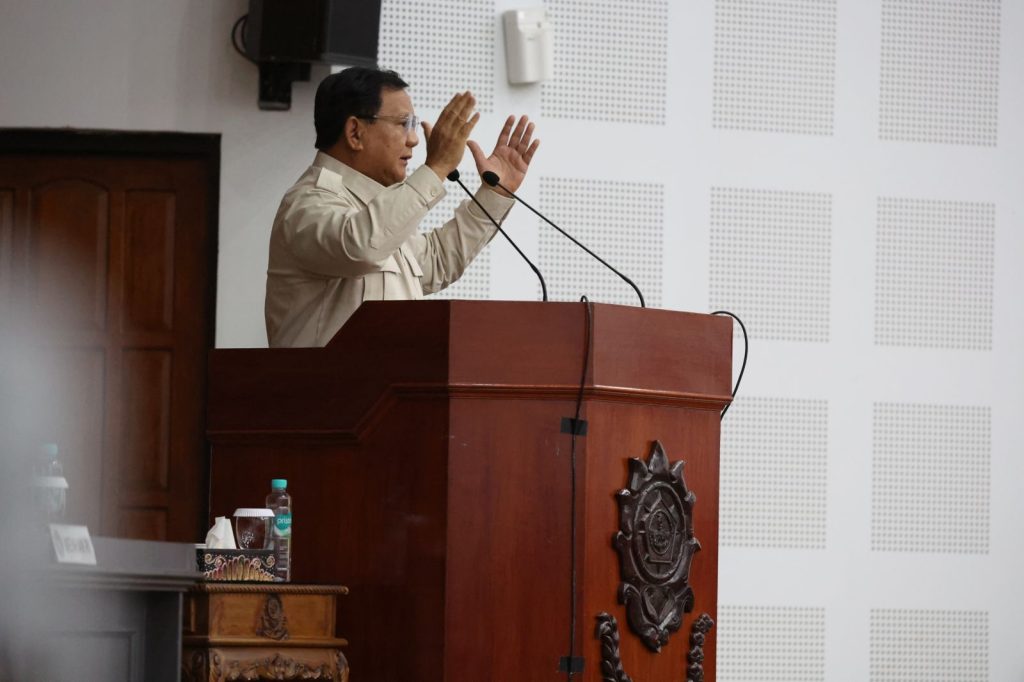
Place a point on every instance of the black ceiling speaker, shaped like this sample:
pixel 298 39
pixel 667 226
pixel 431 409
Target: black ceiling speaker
pixel 286 36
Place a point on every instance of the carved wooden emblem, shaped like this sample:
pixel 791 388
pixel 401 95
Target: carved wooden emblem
pixel 656 546
pixel 273 623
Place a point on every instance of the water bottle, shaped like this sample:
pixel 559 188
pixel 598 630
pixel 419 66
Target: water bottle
pixel 49 485
pixel 280 502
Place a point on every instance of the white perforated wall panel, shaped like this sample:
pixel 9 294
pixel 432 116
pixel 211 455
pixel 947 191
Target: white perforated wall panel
pixel 440 48
pixel 622 222
pixel 774 467
pixel 940 71
pixel 923 646
pixel 771 644
pixel 775 65
pixel 611 61
pixel 935 273
pixel 931 478
pixel 771 261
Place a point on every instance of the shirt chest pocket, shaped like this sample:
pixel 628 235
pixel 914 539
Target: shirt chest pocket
pixel 393 281
pixel 390 265
pixel 414 265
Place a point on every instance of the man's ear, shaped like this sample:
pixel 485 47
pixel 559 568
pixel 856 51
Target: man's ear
pixel 353 134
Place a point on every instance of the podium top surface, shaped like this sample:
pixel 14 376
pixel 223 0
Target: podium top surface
pixel 474 348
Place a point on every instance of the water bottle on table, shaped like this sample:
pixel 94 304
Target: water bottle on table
pixel 280 502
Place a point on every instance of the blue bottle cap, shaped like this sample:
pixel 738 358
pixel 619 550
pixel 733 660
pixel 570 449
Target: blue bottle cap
pixel 279 484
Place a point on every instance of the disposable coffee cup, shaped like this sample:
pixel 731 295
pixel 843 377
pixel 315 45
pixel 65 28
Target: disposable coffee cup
pixel 252 527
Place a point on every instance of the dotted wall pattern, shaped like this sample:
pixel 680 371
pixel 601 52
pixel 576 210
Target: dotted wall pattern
pixel 775 66
pixel 622 222
pixel 940 71
pixel 771 261
pixel 931 478
pixel 771 644
pixel 475 282
pixel 774 474
pixel 929 646
pixel 934 277
pixel 441 48
pixel 610 61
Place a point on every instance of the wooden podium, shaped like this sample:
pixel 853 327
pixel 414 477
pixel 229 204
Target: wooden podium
pixel 429 450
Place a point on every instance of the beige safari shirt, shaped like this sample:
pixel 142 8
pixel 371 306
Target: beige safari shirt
pixel 340 238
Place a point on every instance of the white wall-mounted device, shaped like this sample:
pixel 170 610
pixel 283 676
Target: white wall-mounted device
pixel 529 45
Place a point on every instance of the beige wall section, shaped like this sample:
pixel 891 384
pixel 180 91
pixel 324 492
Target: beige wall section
pixel 148 65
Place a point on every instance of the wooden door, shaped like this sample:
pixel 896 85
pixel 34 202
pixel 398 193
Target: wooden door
pixel 113 251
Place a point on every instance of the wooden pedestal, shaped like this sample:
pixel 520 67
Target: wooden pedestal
pixel 243 631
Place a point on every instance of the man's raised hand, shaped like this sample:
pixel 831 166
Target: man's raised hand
pixel 512 153
pixel 446 139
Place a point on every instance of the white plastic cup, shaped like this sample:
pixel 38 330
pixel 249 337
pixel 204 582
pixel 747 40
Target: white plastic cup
pixel 252 527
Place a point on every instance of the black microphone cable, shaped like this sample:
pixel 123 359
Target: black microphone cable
pixel 743 367
pixel 493 180
pixel 587 350
pixel 454 177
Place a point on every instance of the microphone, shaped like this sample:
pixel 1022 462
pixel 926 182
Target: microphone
pixel 454 177
pixel 492 179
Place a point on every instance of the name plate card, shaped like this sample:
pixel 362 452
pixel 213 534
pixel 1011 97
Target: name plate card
pixel 72 544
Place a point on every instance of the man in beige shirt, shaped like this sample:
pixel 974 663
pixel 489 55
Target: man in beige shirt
pixel 348 230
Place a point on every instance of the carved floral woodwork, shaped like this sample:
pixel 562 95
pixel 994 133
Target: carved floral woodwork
pixel 607 632
pixel 695 658
pixel 611 660
pixel 274 667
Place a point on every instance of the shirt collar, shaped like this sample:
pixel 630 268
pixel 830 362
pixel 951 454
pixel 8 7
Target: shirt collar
pixel 363 187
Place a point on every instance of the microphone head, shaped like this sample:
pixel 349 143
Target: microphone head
pixel 490 177
pixel 454 175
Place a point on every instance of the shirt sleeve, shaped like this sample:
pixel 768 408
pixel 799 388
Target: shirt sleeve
pixel 445 253
pixel 331 233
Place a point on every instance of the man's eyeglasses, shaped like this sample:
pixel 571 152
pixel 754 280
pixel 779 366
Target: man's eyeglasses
pixel 410 123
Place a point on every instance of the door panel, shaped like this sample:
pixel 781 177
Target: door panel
pixel 149 261
pixel 68 235
pixel 146 419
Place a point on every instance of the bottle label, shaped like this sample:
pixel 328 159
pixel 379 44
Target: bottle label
pixel 283 525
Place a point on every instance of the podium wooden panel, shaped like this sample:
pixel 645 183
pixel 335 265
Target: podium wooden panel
pixel 425 452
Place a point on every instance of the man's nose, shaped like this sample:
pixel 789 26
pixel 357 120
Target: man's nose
pixel 412 139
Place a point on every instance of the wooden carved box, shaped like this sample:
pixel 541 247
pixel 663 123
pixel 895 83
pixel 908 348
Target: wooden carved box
pixel 262 632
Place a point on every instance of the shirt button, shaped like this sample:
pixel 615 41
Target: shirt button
pixel 433 191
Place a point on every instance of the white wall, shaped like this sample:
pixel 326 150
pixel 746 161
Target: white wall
pixel 829 567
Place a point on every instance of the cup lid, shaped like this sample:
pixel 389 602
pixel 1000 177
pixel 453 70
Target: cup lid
pixel 50 482
pixel 254 512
